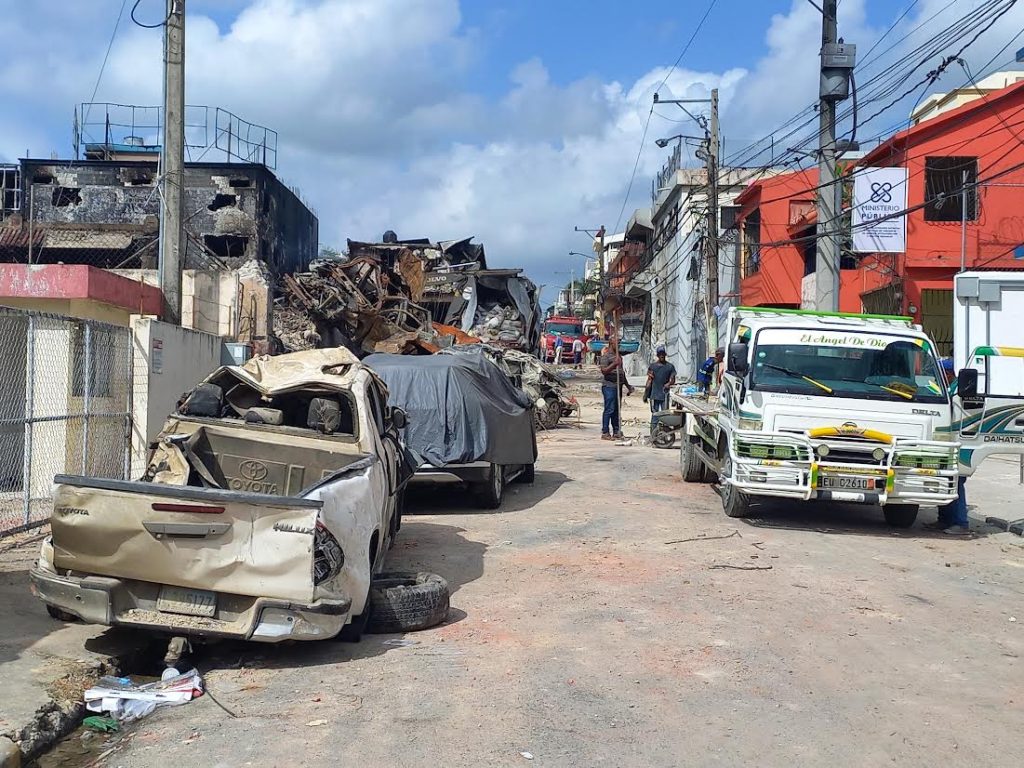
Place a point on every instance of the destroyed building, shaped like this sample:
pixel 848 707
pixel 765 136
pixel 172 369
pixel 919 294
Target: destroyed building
pixel 100 210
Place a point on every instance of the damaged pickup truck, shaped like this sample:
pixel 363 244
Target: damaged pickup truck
pixel 269 501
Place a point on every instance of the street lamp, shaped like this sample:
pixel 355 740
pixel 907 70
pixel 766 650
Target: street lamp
pixel 665 142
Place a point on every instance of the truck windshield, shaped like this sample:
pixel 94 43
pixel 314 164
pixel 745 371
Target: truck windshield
pixel 855 364
pixel 566 329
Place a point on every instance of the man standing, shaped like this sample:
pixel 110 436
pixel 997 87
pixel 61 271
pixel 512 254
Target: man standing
pixel 953 520
pixel 661 375
pixel 577 352
pixel 706 373
pixel 559 345
pixel 613 378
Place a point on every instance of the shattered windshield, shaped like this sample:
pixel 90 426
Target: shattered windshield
pixel 854 364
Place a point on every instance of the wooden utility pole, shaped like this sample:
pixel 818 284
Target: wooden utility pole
pixel 711 240
pixel 172 231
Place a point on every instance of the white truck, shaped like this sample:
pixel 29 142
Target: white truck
pixel 825 407
pixel 988 314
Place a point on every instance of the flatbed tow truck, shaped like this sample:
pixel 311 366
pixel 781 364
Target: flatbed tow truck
pixel 824 407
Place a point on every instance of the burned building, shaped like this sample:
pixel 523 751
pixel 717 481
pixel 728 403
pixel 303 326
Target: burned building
pixel 105 213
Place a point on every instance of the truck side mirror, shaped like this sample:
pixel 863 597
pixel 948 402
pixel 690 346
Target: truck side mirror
pixel 967 383
pixel 737 359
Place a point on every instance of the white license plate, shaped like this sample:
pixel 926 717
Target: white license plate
pixel 846 483
pixel 190 602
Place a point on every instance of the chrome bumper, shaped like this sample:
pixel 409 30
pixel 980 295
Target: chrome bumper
pixel 786 466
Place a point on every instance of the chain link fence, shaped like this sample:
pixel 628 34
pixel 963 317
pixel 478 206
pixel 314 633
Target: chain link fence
pixel 65 407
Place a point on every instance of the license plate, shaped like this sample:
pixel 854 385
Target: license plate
pixel 190 602
pixel 846 483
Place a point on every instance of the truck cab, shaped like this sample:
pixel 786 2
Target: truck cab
pixel 569 328
pixel 826 407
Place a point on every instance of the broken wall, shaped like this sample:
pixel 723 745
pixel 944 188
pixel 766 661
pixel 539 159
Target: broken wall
pixel 107 214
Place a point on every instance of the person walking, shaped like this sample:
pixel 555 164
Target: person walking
pixel 706 373
pixel 661 375
pixel 577 352
pixel 953 519
pixel 613 378
pixel 559 346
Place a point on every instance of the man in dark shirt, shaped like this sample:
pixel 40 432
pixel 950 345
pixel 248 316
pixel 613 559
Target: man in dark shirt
pixel 613 378
pixel 661 375
pixel 706 373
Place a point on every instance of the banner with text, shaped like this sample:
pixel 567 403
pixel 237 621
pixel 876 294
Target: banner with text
pixel 879 193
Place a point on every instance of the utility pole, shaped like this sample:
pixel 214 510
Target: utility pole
pixel 172 240
pixel 837 60
pixel 826 268
pixel 711 240
pixel 600 281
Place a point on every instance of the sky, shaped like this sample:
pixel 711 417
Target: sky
pixel 511 120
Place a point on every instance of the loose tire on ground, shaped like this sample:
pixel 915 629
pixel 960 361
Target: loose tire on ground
pixel 900 515
pixel 490 492
pixel 690 465
pixel 406 602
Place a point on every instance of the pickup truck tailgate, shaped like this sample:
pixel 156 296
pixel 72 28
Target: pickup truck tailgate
pixel 223 541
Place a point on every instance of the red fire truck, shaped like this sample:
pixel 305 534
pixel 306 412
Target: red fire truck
pixel 569 328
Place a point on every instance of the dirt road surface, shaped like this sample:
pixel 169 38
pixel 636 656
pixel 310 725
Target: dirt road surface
pixel 580 637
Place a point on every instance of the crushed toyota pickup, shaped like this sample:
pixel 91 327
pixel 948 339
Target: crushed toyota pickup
pixel 270 499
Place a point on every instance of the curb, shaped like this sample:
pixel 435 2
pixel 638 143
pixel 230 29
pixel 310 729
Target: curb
pixel 10 755
pixel 56 719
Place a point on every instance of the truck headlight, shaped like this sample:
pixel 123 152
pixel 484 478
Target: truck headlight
pixel 878 454
pixel 822 450
pixel 751 424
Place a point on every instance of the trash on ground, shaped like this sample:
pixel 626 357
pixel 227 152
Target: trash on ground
pixel 126 701
pixel 102 724
pixel 527 755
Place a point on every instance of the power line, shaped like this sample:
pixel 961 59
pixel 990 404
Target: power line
pixel 147 26
pixel 106 56
pixel 689 42
pixel 632 176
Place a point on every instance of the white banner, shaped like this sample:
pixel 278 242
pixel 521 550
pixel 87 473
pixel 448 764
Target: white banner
pixel 878 193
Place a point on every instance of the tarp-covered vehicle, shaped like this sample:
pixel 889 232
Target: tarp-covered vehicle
pixel 269 501
pixel 467 422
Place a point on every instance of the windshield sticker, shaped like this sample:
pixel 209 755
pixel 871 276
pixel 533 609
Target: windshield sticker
pixel 854 340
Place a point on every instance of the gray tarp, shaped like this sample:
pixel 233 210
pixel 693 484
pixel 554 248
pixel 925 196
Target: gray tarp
pixel 461 408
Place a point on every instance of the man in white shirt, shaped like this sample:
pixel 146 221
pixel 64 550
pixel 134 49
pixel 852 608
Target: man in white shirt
pixel 577 352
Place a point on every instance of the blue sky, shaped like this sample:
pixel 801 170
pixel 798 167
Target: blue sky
pixel 512 121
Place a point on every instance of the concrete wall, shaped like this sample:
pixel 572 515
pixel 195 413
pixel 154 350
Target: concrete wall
pixel 168 361
pixel 83 308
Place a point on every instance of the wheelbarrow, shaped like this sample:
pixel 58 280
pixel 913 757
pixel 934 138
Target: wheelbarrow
pixel 666 424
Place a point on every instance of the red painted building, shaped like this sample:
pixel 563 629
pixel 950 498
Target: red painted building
pixel 983 138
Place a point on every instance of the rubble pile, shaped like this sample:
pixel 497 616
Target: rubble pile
pixel 499 324
pixel 363 304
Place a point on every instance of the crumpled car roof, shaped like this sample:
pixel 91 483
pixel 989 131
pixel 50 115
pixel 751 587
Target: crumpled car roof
pixel 333 368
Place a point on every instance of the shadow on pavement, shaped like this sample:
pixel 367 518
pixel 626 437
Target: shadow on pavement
pixel 849 519
pixel 456 499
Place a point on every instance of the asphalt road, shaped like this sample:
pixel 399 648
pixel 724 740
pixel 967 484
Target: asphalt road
pixel 579 636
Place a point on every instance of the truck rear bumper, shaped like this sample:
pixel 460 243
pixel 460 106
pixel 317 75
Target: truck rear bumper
pixel 123 603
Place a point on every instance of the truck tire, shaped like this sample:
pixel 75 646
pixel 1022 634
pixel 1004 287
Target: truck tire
pixel 489 493
pixel 690 465
pixel 405 602
pixel 60 615
pixel 900 515
pixel 734 501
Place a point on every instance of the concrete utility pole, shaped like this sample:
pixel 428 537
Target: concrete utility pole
pixel 826 268
pixel 172 231
pixel 711 240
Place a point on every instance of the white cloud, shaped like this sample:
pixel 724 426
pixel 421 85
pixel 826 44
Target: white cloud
pixel 380 130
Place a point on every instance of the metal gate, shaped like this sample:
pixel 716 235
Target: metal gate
pixel 65 407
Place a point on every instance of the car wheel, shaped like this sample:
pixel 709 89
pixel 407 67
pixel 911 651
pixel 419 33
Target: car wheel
pixel 405 602
pixel 690 465
pixel 59 614
pixel 489 493
pixel 528 474
pixel 548 417
pixel 734 501
pixel 900 515
pixel 664 438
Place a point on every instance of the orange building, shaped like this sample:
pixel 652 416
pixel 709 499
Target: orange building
pixel 983 139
